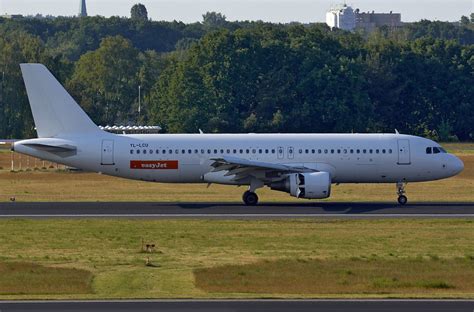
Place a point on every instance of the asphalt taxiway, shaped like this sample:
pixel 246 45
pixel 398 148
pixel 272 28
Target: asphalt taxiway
pixel 233 210
pixel 243 305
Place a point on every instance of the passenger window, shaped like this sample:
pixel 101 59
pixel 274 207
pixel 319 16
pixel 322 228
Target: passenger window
pixel 202 151
pixel 260 151
pixel 164 151
pixel 273 151
pixel 383 151
pixel 313 151
pixel 358 151
pixel 371 151
pixel 235 151
pixel 138 151
pixel 332 151
pixel 215 151
pixel 338 151
pixel 390 151
pixel 300 151
pixel 345 151
pixel 254 151
pixel 208 151
pixel 266 151
pixel 436 150
pixel 228 151
pixel 325 151
pixel 377 151
pixel 247 151
pixel 319 151
pixel 157 151
pixel 352 151
pixel 241 151
pixel 190 151
pixel 131 151
pixel 196 151
pixel 171 151
pixel 364 151
pixel 144 151
pixel 177 151
pixel 151 151
pixel 306 151
pixel 183 151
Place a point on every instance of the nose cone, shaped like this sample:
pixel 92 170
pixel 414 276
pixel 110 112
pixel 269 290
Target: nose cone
pixel 456 165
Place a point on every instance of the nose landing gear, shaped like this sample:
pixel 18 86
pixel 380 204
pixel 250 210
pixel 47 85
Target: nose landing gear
pixel 402 199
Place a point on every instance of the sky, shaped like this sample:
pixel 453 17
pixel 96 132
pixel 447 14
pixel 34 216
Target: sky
pixel 280 11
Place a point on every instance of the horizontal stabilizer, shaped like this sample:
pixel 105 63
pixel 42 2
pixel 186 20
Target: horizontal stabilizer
pixel 55 149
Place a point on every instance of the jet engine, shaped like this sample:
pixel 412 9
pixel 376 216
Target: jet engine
pixel 314 185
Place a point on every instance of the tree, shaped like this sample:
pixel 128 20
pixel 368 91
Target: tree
pixel 213 19
pixel 465 20
pixel 139 12
pixel 105 81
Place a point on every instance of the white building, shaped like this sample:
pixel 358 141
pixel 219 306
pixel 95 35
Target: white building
pixel 342 17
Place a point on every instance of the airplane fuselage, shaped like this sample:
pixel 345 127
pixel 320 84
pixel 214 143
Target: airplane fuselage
pixel 187 158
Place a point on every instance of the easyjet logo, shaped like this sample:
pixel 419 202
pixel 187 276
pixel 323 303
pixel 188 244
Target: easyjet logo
pixel 154 164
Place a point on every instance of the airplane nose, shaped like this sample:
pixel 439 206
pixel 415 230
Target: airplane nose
pixel 457 165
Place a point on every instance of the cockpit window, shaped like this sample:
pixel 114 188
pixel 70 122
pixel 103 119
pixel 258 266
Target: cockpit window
pixel 436 150
pixel 442 150
pixel 428 150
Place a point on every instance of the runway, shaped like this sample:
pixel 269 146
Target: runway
pixel 234 210
pixel 244 305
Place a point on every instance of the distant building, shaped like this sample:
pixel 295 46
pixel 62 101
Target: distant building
pixel 12 16
pixel 344 17
pixel 371 21
pixel 83 9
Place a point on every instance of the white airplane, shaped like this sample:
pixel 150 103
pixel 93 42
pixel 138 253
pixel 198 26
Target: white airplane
pixel 303 165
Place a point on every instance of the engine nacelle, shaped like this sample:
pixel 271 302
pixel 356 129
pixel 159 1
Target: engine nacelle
pixel 315 185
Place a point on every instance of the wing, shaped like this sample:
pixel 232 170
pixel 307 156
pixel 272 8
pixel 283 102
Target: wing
pixel 243 169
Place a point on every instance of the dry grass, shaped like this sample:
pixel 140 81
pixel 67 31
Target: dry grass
pixel 348 276
pixel 61 186
pixel 19 278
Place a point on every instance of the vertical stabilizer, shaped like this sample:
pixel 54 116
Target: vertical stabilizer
pixel 55 112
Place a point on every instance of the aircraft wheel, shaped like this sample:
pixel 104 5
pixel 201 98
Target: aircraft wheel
pixel 402 200
pixel 250 198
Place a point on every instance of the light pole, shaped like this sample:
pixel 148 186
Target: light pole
pixel 2 104
pixel 139 102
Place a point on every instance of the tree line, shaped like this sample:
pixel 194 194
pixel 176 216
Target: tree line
pixel 222 76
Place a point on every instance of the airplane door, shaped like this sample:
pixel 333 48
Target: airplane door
pixel 404 152
pixel 291 152
pixel 107 152
pixel 280 152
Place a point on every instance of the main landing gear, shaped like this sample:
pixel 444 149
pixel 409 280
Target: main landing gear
pixel 402 199
pixel 250 198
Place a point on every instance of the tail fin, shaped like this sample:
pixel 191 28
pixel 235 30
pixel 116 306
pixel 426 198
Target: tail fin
pixel 55 112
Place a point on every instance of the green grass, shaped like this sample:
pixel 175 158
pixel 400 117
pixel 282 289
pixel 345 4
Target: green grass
pixel 346 276
pixel 111 251
pixel 19 278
